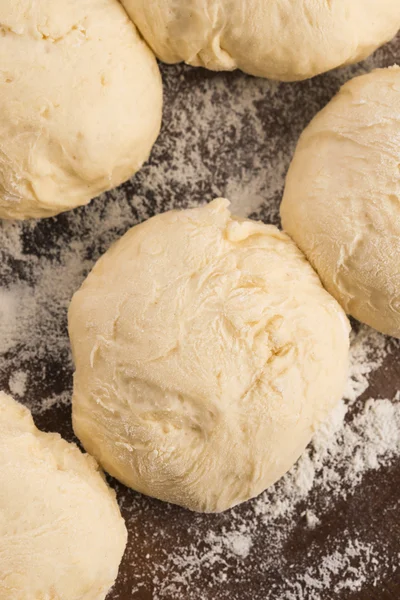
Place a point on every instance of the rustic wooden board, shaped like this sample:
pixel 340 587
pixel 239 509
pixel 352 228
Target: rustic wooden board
pixel 223 134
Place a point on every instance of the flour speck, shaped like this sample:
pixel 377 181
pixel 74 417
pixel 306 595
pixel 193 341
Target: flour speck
pixel 17 383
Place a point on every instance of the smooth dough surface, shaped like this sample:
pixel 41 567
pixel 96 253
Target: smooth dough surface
pixel 280 39
pixel 342 199
pixel 62 536
pixel 206 352
pixel 80 103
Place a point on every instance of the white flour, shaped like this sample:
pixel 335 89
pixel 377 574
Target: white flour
pixel 42 264
pixel 343 569
pixel 17 383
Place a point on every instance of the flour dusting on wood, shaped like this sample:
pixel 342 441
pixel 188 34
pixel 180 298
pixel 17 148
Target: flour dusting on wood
pixel 324 527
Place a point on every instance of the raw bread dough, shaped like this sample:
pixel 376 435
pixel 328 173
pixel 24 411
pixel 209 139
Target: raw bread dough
pixel 206 352
pixel 80 103
pixel 281 39
pixel 62 536
pixel 342 198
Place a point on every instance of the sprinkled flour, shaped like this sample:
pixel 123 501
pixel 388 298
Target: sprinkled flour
pixel 17 383
pixel 321 531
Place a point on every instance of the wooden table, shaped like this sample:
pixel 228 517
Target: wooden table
pixel 233 135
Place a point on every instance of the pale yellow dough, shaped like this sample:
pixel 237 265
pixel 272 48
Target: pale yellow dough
pixel 280 39
pixel 80 103
pixel 206 353
pixel 342 199
pixel 62 536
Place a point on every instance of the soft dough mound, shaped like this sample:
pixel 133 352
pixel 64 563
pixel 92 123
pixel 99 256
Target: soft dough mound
pixel 206 352
pixel 62 536
pixel 280 39
pixel 342 198
pixel 80 103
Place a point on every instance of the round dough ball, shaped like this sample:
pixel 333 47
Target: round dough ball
pixel 61 532
pixel 342 198
pixel 280 39
pixel 206 353
pixel 80 103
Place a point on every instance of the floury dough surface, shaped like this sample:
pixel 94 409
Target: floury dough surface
pixel 61 532
pixel 80 103
pixel 330 527
pixel 207 353
pixel 280 39
pixel 342 198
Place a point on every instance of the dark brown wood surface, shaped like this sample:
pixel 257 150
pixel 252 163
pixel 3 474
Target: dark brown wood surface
pixel 223 134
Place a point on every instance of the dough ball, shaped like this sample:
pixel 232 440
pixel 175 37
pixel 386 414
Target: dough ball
pixel 280 39
pixel 342 198
pixel 62 536
pixel 80 103
pixel 206 353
